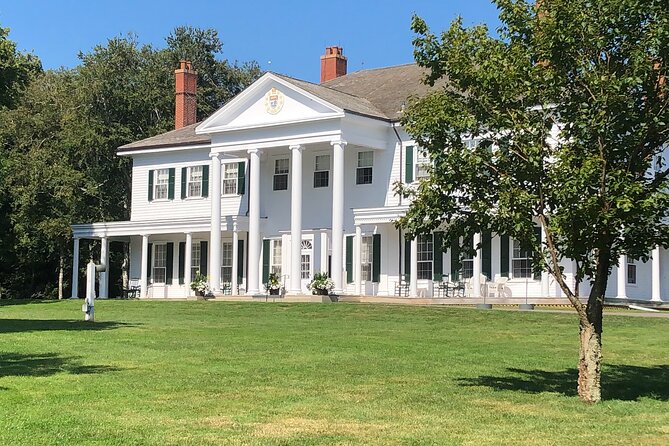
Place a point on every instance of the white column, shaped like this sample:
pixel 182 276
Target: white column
pixel 215 232
pixel 296 219
pixel 188 261
pixel 338 215
pixel 144 275
pixel 655 275
pixel 545 288
pixel 413 269
pixel 75 269
pixel 324 251
pixel 104 275
pixel 253 278
pixel 622 277
pixel 476 278
pixel 357 261
pixel 235 258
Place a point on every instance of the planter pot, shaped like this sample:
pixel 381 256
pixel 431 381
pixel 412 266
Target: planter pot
pixel 274 292
pixel 318 292
pixel 199 293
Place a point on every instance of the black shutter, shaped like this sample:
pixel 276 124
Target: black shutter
pixel 169 267
pixel 408 164
pixel 537 234
pixel 204 256
pixel 376 258
pixel 349 259
pixel 504 255
pixel 205 181
pixel 240 261
pixel 407 258
pixel 265 261
pixel 182 262
pixel 150 185
pixel 184 178
pixel 149 260
pixel 438 257
pixel 455 260
pixel 170 184
pixel 486 252
pixel 241 178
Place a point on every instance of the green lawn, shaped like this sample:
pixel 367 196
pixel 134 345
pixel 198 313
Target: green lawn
pixel 200 373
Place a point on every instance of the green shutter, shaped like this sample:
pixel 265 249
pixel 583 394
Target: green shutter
pixel 504 255
pixel 240 261
pixel 205 181
pixel 169 266
pixel 265 261
pixel 455 260
pixel 184 177
pixel 204 257
pixel 438 262
pixel 408 164
pixel 241 178
pixel 150 185
pixel 349 259
pixel 537 234
pixel 376 258
pixel 407 258
pixel 182 262
pixel 170 185
pixel 149 261
pixel 486 252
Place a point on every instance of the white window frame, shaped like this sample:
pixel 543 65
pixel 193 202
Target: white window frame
pixel 161 185
pixel 366 257
pixel 195 256
pixel 230 178
pixel 321 170
pixel 362 164
pixel 519 255
pixel 425 256
pixel 278 173
pixel 276 257
pixel 422 160
pixel 631 268
pixel 192 180
pixel 226 260
pixel 154 261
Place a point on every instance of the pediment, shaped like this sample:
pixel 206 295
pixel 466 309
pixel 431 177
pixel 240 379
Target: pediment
pixel 269 101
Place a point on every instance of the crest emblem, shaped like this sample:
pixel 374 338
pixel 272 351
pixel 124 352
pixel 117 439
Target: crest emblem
pixel 274 101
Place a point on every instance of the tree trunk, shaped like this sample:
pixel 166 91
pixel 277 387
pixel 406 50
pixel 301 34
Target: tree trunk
pixel 61 267
pixel 589 364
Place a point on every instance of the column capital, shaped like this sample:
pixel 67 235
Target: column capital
pixel 252 151
pixel 299 147
pixel 188 233
pixel 339 142
pixel 213 155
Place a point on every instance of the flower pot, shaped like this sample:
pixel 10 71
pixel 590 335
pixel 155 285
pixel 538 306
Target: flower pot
pixel 199 293
pixel 274 292
pixel 319 292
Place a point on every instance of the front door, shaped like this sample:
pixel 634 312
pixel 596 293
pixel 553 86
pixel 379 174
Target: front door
pixel 306 264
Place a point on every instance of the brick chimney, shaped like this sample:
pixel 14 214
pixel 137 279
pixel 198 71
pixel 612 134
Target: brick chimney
pixel 186 102
pixel 333 63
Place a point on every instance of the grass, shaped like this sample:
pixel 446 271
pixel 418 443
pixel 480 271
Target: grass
pixel 210 373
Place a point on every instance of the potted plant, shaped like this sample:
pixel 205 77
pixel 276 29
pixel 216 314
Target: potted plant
pixel 321 284
pixel 273 285
pixel 199 284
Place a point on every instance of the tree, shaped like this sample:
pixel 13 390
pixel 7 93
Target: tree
pixel 15 69
pixel 571 108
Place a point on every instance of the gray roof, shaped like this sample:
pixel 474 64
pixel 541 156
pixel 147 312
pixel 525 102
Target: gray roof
pixel 377 93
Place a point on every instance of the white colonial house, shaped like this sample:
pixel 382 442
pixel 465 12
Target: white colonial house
pixel 296 178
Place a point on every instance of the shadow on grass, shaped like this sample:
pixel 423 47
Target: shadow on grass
pixel 9 302
pixel 45 364
pixel 619 381
pixel 25 325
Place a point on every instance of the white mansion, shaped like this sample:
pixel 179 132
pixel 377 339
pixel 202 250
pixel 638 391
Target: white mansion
pixel 296 178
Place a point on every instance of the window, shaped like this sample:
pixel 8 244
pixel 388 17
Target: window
pixel 363 174
pixel 160 188
pixel 275 266
pixel 281 174
pixel 472 143
pixel 194 259
pixel 226 261
pixel 159 263
pixel 322 171
pixel 230 174
pixel 366 258
pixel 468 260
pixel 194 181
pixel 521 262
pixel 425 256
pixel 305 269
pixel 631 271
pixel 422 164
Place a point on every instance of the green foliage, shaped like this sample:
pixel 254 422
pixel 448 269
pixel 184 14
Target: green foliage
pixel 16 70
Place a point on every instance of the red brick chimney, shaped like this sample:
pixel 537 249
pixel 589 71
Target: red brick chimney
pixel 186 102
pixel 333 63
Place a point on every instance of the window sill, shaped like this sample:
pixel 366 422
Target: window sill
pixel 161 200
pixel 194 198
pixel 230 195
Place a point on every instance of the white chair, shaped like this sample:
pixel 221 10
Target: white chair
pixel 496 288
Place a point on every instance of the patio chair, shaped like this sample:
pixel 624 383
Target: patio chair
pixel 496 288
pixel 132 291
pixel 402 287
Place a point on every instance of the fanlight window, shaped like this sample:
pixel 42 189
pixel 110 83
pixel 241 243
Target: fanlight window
pixel 306 244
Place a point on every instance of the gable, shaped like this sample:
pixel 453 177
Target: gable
pixel 267 102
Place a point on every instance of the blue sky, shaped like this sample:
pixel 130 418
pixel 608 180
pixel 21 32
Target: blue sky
pixel 283 36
